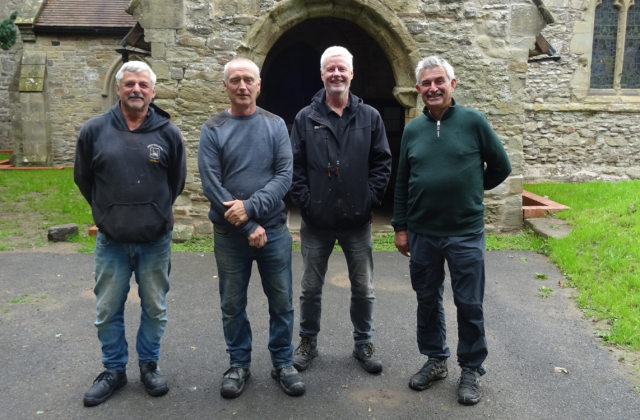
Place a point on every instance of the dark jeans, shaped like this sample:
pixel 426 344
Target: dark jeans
pixel 151 264
pixel 317 245
pixel 465 257
pixel 234 258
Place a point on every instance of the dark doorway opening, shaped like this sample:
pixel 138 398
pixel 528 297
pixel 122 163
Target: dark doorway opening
pixel 291 76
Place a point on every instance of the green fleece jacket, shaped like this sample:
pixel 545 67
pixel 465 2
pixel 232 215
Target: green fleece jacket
pixel 442 174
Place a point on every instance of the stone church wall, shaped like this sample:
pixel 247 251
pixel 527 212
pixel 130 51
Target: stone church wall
pixel 486 41
pixel 76 70
pixel 568 137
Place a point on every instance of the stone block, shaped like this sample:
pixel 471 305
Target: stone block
pixel 164 36
pixel 205 228
pixel 224 44
pixel 616 141
pixel 177 73
pixel 633 173
pixel 244 19
pixel 157 50
pixel 161 69
pixel 182 201
pixel 61 233
pixel 572 139
pixel 192 42
pixel 525 20
pixel 147 12
pixel 495 29
pixel 181 233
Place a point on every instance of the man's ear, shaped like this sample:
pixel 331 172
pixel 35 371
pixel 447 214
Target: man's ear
pixel 453 83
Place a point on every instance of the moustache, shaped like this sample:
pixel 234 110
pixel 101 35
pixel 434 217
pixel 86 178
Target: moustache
pixel 434 94
pixel 136 95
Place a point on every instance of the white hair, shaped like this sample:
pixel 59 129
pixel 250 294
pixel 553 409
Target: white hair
pixel 135 67
pixel 336 51
pixel 431 62
pixel 225 74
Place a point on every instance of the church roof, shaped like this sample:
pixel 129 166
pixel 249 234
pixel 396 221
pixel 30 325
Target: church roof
pixel 85 14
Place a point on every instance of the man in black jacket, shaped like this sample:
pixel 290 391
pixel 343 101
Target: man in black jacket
pixel 341 167
pixel 131 166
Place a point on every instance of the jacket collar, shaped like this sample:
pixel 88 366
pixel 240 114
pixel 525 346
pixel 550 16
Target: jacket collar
pixel 447 113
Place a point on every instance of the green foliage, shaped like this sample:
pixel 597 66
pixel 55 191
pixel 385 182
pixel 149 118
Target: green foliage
pixel 5 156
pixel 523 241
pixel 601 256
pixel 196 244
pixel 8 32
pixel 545 292
pixel 541 276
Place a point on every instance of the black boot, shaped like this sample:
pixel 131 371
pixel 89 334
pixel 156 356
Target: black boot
pixel 307 350
pixel 365 354
pixel 104 385
pixel 154 382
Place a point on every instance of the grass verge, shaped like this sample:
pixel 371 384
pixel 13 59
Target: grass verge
pixel 601 256
pixel 4 156
pixel 32 201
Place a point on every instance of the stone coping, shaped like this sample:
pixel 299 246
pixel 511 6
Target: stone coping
pixel 534 205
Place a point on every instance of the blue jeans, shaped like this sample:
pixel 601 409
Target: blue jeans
pixel 317 245
pixel 115 261
pixel 234 258
pixel 465 257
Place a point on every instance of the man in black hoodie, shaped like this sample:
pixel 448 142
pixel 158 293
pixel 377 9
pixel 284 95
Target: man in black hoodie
pixel 341 167
pixel 131 166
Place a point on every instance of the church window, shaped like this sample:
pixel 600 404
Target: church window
pixel 615 60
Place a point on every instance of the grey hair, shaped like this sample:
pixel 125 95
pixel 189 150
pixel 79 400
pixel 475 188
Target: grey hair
pixel 135 67
pixel 431 62
pixel 225 74
pixel 335 51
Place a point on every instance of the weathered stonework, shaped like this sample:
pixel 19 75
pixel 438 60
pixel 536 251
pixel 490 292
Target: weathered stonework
pixel 487 41
pixel 574 133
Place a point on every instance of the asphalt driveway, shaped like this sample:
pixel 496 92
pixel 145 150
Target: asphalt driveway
pixel 49 352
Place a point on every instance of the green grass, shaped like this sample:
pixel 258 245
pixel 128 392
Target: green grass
pixel 601 256
pixel 50 195
pixel 4 156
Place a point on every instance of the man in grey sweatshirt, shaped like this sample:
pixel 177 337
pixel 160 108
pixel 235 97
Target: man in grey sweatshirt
pixel 245 164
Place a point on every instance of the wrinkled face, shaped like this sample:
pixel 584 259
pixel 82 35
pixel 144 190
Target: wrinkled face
pixel 136 90
pixel 243 85
pixel 336 75
pixel 435 88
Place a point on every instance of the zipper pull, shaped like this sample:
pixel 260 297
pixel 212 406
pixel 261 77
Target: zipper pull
pixel 337 166
pixel 438 128
pixel 329 169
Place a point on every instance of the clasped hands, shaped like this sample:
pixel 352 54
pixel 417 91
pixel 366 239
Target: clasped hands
pixel 237 215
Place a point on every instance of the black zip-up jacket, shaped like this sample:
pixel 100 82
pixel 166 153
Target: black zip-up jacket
pixel 131 178
pixel 337 183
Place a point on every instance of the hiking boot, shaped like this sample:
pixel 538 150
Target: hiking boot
pixel 289 380
pixel 154 382
pixel 104 385
pixel 469 387
pixel 234 381
pixel 364 353
pixel 307 350
pixel 433 370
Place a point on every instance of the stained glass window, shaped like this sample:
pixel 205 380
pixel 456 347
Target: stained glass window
pixel 631 64
pixel 605 32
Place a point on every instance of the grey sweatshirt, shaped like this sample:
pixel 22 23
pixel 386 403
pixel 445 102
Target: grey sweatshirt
pixel 249 159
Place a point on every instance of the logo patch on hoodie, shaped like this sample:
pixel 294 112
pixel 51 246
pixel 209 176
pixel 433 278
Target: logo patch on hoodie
pixel 154 152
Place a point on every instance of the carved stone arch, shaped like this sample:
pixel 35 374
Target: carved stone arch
pixel 371 15
pixel 109 95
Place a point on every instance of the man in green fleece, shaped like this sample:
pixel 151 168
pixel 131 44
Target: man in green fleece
pixel 449 156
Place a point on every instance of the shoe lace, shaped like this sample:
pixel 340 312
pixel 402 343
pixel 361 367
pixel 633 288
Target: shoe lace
pixel 288 370
pixel 430 367
pixel 468 379
pixel 152 369
pixel 305 346
pixel 369 349
pixel 105 376
pixel 233 372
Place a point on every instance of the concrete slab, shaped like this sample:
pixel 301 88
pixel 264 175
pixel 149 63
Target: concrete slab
pixel 549 227
pixel 49 352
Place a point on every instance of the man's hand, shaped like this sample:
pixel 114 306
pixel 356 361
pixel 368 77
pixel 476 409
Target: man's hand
pixel 402 242
pixel 236 215
pixel 258 238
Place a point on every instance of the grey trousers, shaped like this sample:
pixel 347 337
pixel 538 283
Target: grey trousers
pixel 317 245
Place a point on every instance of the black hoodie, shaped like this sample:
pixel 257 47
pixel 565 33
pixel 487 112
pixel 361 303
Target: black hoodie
pixel 131 178
pixel 337 183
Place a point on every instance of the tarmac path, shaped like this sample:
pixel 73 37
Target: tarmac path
pixel 50 354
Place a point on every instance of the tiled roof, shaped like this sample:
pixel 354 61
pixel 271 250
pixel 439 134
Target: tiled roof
pixel 86 14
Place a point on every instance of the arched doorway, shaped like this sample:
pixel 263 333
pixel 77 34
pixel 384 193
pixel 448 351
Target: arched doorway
pixel 291 76
pixel 109 95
